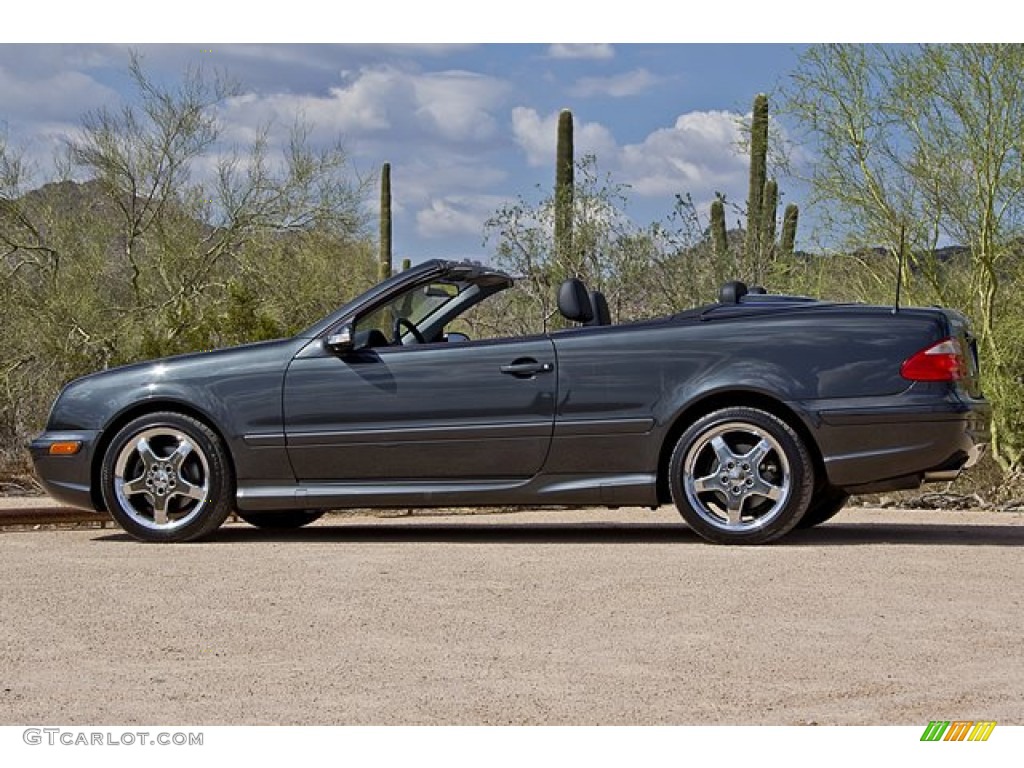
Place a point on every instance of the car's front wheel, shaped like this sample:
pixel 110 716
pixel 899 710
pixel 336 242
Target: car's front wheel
pixel 166 477
pixel 741 476
pixel 282 519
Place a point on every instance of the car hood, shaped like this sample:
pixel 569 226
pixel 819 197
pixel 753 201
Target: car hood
pixel 197 379
pixel 191 360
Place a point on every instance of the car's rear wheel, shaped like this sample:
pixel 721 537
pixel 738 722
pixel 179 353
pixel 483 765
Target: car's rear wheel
pixel 166 477
pixel 282 519
pixel 741 476
pixel 825 504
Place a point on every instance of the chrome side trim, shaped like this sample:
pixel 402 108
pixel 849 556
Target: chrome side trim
pixel 603 427
pixel 300 439
pixel 625 489
pixel 270 440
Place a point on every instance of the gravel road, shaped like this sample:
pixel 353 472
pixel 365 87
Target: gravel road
pixel 560 617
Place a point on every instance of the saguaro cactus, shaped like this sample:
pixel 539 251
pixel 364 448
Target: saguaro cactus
pixel 719 238
pixel 384 266
pixel 789 222
pixel 758 173
pixel 762 206
pixel 564 160
pixel 769 210
pixel 763 200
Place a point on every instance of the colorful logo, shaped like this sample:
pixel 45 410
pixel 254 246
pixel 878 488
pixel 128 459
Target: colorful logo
pixel 958 730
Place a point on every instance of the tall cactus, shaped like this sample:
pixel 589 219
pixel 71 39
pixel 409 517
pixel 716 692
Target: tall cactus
pixel 763 201
pixel 384 266
pixel 769 210
pixel 789 222
pixel 564 160
pixel 719 238
pixel 760 245
pixel 758 174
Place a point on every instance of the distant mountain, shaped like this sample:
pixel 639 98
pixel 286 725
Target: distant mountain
pixel 942 255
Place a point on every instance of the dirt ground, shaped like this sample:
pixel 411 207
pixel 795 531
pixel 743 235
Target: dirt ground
pixel 881 617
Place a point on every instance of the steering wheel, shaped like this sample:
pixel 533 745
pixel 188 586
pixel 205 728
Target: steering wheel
pixel 396 331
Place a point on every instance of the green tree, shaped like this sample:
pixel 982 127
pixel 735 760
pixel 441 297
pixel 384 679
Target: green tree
pixel 147 257
pixel 179 236
pixel 643 271
pixel 605 246
pixel 928 138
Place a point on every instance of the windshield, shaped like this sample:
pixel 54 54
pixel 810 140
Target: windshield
pixel 413 305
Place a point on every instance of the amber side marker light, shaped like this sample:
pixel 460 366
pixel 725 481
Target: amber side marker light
pixel 65 448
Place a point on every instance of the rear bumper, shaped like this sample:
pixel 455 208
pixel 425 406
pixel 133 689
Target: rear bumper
pixel 68 479
pixel 898 447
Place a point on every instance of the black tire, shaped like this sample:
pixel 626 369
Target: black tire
pixel 282 519
pixel 825 504
pixel 166 477
pixel 741 476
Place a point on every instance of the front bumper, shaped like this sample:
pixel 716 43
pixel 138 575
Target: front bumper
pixel 68 479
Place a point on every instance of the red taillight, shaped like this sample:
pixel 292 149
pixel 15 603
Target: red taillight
pixel 943 361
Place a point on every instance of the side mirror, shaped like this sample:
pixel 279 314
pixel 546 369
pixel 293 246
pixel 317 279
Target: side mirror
pixel 341 340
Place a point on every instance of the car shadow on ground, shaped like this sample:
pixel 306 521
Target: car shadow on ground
pixel 831 534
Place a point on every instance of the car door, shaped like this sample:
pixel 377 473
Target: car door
pixel 446 411
pixel 614 383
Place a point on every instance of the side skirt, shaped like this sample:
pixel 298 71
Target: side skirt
pixel 601 490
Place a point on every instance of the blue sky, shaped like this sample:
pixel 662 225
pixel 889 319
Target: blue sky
pixel 466 127
pixel 454 98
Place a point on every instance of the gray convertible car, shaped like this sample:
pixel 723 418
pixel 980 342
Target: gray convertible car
pixel 753 415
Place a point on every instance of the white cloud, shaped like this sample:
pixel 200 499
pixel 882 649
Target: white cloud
pixel 447 194
pixel 60 96
pixel 538 136
pixel 624 84
pixel 418 180
pixel 581 51
pixel 450 106
pixel 40 110
pixel 459 104
pixel 699 154
pixel 456 215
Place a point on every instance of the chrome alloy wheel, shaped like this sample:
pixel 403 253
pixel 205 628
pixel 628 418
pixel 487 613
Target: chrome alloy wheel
pixel 162 479
pixel 736 477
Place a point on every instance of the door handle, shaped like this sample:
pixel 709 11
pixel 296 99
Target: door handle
pixel 526 368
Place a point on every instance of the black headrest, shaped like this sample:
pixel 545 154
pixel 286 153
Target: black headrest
pixel 574 302
pixel 760 290
pixel 732 292
pixel 602 315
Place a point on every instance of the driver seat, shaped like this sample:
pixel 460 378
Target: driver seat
pixel 574 301
pixel 602 315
